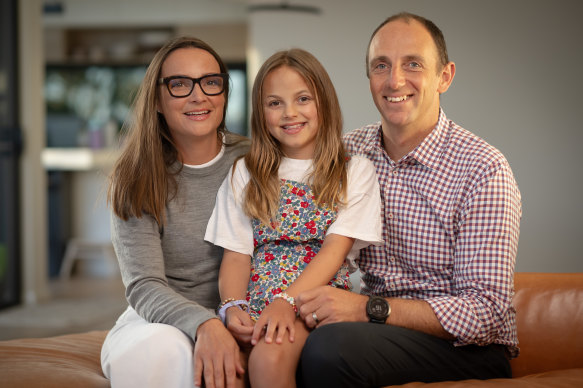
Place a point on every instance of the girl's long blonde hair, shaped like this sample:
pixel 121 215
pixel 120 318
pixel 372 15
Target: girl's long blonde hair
pixel 328 177
pixel 143 178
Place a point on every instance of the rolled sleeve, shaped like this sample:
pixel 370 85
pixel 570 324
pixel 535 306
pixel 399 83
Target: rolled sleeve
pixel 484 262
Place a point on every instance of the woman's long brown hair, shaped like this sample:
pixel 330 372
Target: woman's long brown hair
pixel 328 178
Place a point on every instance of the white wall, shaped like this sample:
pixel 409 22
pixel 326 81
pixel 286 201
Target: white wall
pixel 518 85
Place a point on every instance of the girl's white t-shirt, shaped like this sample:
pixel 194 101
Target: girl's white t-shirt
pixel 360 218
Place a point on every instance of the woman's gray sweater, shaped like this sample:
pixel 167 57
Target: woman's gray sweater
pixel 171 277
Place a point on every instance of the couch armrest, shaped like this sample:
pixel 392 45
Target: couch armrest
pixel 549 317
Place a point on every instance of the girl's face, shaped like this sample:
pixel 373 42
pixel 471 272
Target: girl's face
pixel 196 116
pixel 290 112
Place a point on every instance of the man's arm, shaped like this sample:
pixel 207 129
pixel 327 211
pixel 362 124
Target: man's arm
pixel 334 305
pixel 485 254
pixel 482 275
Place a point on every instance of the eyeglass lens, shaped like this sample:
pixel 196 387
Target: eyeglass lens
pixel 182 87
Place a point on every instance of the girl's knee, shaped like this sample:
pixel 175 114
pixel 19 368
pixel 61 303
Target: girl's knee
pixel 270 364
pixel 265 358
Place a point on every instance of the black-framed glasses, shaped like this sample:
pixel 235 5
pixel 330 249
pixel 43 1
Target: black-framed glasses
pixel 181 86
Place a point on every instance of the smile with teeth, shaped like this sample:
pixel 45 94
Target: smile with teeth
pixel 293 127
pixel 397 99
pixel 204 112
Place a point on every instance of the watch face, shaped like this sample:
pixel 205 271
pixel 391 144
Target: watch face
pixel 377 309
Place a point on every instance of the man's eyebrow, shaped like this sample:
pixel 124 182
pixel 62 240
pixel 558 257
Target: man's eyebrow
pixel 376 60
pixel 407 58
pixel 380 58
pixel 416 58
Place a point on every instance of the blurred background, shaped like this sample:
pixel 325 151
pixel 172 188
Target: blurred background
pixel 69 70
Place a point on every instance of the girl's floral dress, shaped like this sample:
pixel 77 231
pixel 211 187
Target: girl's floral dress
pixel 283 249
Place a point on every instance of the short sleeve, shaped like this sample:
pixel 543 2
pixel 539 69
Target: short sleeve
pixel 229 227
pixel 360 218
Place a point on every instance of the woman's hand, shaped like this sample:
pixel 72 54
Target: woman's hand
pixel 239 324
pixel 278 317
pixel 216 356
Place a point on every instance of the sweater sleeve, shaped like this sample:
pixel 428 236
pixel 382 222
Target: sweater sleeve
pixel 138 247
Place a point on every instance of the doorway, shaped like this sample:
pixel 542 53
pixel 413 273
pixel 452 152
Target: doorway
pixel 10 146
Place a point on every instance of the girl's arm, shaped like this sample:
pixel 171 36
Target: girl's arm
pixel 233 279
pixel 324 265
pixel 234 275
pixel 279 315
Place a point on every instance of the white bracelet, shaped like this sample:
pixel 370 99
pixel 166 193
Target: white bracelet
pixel 288 299
pixel 232 303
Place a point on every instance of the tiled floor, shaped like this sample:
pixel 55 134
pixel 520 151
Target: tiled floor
pixel 77 305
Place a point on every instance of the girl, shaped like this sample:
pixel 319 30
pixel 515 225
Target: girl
pixel 162 190
pixel 289 214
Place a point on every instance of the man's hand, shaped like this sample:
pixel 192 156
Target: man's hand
pixel 240 325
pixel 216 356
pixel 331 305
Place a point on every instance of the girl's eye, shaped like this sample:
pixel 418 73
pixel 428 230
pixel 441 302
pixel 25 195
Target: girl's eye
pixel 304 99
pixel 273 103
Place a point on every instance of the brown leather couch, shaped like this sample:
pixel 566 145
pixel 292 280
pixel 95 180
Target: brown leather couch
pixel 550 330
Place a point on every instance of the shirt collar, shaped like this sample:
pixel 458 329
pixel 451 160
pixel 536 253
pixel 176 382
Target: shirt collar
pixel 428 153
pixel 430 150
pixel 373 141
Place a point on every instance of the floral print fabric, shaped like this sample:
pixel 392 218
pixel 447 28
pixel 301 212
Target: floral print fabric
pixel 285 247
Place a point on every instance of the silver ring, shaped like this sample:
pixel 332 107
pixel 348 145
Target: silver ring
pixel 315 317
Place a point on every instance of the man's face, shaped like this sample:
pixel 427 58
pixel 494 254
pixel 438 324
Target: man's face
pixel 405 76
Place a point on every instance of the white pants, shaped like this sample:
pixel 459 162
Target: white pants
pixel 137 353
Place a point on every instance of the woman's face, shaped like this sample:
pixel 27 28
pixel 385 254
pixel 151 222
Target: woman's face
pixel 197 116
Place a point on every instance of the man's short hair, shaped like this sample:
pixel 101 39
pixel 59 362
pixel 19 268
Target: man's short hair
pixel 433 30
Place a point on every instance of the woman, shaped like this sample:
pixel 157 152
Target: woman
pixel 162 193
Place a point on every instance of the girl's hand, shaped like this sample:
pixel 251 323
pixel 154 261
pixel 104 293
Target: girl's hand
pixel 239 324
pixel 216 356
pixel 278 317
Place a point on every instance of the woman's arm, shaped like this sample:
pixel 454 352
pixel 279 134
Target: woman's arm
pixel 143 267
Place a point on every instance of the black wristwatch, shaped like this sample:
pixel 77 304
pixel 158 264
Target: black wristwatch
pixel 377 309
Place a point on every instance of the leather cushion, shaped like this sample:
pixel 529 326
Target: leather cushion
pixel 549 316
pixel 66 361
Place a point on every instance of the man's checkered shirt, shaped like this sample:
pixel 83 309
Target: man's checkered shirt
pixel 451 216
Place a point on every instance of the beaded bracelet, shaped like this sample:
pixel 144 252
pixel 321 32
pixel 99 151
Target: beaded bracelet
pixel 288 299
pixel 231 302
pixel 224 302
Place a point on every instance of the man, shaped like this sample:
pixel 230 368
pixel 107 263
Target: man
pixel 437 296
